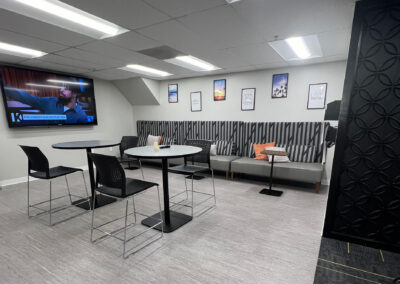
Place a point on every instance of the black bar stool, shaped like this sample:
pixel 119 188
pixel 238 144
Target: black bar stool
pixel 38 167
pixel 113 182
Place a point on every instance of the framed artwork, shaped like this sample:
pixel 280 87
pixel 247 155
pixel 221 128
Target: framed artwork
pixel 172 93
pixel 280 85
pixel 220 90
pixel 195 101
pixel 248 99
pixel 317 96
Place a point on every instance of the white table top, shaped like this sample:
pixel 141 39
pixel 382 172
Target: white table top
pixel 175 151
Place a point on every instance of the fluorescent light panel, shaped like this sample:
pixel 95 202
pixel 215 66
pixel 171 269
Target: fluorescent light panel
pixel 20 51
pixel 67 82
pixel 298 48
pixel 65 16
pixel 145 70
pixel 192 63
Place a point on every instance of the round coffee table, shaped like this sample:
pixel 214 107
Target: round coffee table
pixel 101 200
pixel 172 219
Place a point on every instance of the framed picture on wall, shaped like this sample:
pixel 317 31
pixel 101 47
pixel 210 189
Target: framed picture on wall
pixel 280 85
pixel 173 93
pixel 195 101
pixel 220 90
pixel 317 96
pixel 248 99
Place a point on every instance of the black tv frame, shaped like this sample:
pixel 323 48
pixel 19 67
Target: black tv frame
pixel 11 125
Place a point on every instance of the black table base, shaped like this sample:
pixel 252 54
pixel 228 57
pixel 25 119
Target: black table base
pixel 271 192
pixel 177 220
pixel 101 200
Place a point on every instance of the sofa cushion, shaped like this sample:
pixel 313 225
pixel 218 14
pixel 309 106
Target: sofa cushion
pixel 297 171
pixel 250 166
pixel 222 163
pixel 306 172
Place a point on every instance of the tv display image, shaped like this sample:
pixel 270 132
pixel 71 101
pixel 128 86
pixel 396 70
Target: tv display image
pixel 38 98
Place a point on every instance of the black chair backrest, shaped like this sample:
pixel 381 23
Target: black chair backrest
pixel 128 142
pixel 109 171
pixel 37 161
pixel 203 156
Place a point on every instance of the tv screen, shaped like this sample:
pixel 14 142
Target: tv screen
pixel 38 98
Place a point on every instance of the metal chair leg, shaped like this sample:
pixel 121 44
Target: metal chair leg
pixel 134 208
pixel 50 206
pixel 87 192
pixel 28 197
pixel 92 226
pixel 159 206
pixel 69 193
pixel 126 222
pixel 192 196
pixel 215 197
pixel 187 196
pixel 141 168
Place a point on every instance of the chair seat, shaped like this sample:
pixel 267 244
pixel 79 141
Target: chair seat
pixel 55 172
pixel 127 159
pixel 187 169
pixel 133 186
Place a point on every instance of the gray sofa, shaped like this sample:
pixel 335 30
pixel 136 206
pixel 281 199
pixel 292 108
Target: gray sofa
pixel 304 140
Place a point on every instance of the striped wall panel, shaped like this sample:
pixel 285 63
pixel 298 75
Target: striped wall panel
pixel 243 134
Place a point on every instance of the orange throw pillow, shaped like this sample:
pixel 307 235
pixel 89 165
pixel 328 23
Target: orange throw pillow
pixel 258 148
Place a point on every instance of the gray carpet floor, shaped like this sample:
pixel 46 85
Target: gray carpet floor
pixel 341 262
pixel 247 238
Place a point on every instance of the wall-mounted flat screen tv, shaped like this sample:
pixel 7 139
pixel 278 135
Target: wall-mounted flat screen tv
pixel 38 98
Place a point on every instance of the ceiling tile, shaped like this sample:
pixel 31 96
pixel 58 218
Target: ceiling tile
pixel 221 27
pixel 335 42
pixel 112 51
pixel 111 74
pixel 79 54
pixel 6 58
pixel 29 42
pixel 177 8
pixel 33 28
pixel 74 63
pixel 286 18
pixel 256 54
pixel 133 41
pixel 54 66
pixel 131 14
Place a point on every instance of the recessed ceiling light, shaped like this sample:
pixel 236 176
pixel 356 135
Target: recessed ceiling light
pixel 67 82
pixel 65 16
pixel 231 1
pixel 145 70
pixel 298 48
pixel 43 86
pixel 20 51
pixel 192 63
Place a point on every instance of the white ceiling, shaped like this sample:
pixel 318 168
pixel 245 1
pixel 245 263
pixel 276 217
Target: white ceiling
pixel 233 37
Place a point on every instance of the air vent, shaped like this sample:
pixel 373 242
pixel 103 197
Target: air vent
pixel 162 52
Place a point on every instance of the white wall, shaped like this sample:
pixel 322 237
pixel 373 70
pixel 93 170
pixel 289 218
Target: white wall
pixel 292 108
pixel 115 119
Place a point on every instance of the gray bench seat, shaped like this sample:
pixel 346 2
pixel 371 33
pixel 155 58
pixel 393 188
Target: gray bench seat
pixel 305 172
pixel 222 163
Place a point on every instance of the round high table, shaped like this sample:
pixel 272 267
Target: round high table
pixel 172 219
pixel 101 200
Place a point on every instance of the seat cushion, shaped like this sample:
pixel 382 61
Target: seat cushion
pixel 56 172
pixel 250 166
pixel 187 169
pixel 306 172
pixel 133 186
pixel 297 171
pixel 222 163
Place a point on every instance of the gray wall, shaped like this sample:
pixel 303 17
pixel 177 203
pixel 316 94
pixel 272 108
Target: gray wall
pixel 293 108
pixel 115 118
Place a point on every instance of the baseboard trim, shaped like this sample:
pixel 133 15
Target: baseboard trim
pixel 8 182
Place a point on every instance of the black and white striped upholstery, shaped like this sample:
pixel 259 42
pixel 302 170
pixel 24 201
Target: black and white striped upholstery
pixel 142 141
pixel 303 140
pixel 224 147
pixel 167 141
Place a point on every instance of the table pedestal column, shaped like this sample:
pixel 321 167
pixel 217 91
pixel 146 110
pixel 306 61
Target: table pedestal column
pixel 270 191
pixel 172 219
